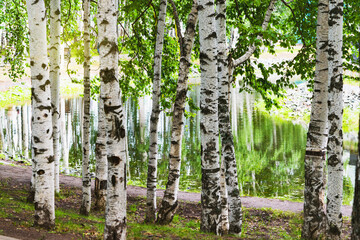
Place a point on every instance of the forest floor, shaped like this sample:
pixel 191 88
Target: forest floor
pixel 262 218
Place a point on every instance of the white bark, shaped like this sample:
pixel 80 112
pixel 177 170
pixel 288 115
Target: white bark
pixel 227 139
pixel 210 192
pixel 43 157
pixel 101 164
pixel 64 139
pixel 154 120
pixel 335 104
pixel 25 131
pixel 314 192
pixel 86 179
pixel 115 216
pixel 55 27
pixel 169 203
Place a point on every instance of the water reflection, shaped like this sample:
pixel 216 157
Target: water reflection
pixel 269 151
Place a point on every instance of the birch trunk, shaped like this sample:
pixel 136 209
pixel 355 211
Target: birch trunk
pixel 210 168
pixel 224 199
pixel 86 179
pixel 25 131
pixel 335 104
pixel 169 203
pixel 227 142
pixel 64 139
pixel 355 216
pixel 101 164
pixel 154 120
pixel 43 158
pixel 55 27
pixel 115 215
pixel 314 190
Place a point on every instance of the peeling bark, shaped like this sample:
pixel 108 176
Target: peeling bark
pixel 86 179
pixel 169 203
pixel 41 122
pixel 154 119
pixel 335 137
pixel 314 190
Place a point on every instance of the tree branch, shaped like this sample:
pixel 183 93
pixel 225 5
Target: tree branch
pixel 264 26
pixel 177 23
pixel 297 23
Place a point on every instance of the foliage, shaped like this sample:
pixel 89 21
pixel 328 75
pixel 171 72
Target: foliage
pixel 13 20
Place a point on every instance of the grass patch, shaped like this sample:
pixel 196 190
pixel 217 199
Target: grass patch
pixel 257 223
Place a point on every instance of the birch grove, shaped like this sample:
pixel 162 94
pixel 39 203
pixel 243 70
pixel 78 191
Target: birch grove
pixel 41 124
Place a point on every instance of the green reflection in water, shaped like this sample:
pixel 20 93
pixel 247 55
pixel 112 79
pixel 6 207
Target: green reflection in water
pixel 269 151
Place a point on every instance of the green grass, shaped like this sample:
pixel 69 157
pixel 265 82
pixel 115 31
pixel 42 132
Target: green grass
pixel 256 222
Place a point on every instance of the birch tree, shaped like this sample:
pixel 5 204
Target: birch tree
pixel 55 28
pixel 314 190
pixel 210 168
pixel 335 105
pixel 227 142
pixel 86 179
pixel 101 164
pixel 115 214
pixel 154 119
pixel 169 202
pixel 41 123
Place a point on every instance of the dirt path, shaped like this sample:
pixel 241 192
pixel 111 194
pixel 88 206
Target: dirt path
pixel 22 174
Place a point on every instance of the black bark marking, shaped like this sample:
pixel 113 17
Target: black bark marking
pixel 57 12
pixel 42 87
pixel 113 180
pixel 115 160
pixel 212 35
pixel 39 77
pixel 51 159
pixel 32 63
pixel 43 65
pixel 107 75
pixel 40 172
pixel 39 151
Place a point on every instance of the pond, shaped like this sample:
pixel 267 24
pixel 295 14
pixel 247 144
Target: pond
pixel 269 151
